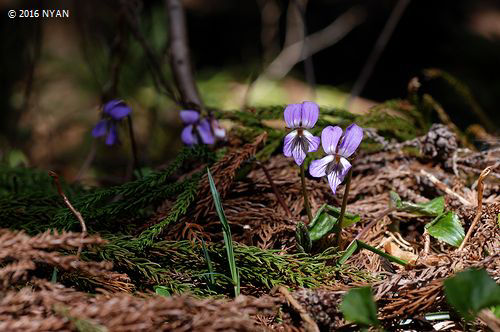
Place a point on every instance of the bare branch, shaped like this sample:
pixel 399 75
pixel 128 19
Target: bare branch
pixel 179 55
pixel 315 42
pixel 382 41
pixel 155 63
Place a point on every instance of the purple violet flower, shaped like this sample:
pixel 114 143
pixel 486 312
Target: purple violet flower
pixel 299 142
pixel 113 112
pixel 335 165
pixel 196 128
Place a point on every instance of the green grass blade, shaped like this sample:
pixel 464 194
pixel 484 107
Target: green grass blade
pixel 209 263
pixel 227 234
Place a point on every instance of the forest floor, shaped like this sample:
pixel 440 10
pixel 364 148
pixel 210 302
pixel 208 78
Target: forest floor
pixel 143 266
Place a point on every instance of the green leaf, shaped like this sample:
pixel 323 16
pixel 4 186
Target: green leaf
pixel 432 208
pixel 496 310
pixel 303 238
pixel 359 307
pixel 447 227
pixel 323 225
pixel 162 290
pixel 357 245
pixel 470 291
pixel 209 263
pixel 226 230
pixel 325 221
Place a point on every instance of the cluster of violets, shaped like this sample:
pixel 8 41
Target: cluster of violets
pixel 197 129
pixel 337 145
pixel 207 130
pixel 114 112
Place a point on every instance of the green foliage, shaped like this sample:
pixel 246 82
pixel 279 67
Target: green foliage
pixel 210 267
pixel 228 241
pixel 359 307
pixel 162 290
pixel 432 208
pixel 184 200
pixel 21 180
pixel 302 238
pixel 387 125
pixel 325 221
pixel 357 245
pixel 446 227
pixel 471 291
pixel 132 198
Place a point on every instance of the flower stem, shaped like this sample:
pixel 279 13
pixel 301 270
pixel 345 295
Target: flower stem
pixel 134 146
pixel 344 205
pixel 304 193
pixel 275 189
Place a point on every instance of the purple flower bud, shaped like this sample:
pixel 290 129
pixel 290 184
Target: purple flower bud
pixel 335 165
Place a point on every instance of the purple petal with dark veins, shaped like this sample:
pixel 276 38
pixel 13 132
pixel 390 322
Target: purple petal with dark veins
pixel 188 137
pixel 310 114
pixel 189 117
pixel 318 167
pixel 351 140
pixel 330 137
pixel 287 146
pixel 298 152
pixel 205 132
pixel 293 115
pixel 112 137
pixel 337 174
pixel 100 128
pixel 313 141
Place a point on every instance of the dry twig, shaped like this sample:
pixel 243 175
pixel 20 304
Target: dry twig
pixel 480 187
pixel 76 213
pixel 441 186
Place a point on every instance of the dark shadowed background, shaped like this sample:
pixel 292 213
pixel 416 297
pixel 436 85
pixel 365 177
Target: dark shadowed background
pixel 57 71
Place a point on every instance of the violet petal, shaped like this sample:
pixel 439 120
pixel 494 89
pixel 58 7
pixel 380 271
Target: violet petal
pixel 293 115
pixel 205 132
pixel 117 109
pixel 310 114
pixel 351 140
pixel 189 117
pixel 298 154
pixel 188 137
pixel 338 174
pixel 318 167
pixel 313 141
pixel 111 104
pixel 100 128
pixel 330 137
pixel 288 145
pixel 112 137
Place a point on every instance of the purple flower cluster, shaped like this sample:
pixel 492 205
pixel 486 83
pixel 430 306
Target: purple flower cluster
pixel 205 129
pixel 338 146
pixel 114 111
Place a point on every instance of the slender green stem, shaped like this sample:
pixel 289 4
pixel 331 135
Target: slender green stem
pixel 304 193
pixel 344 205
pixel 134 146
